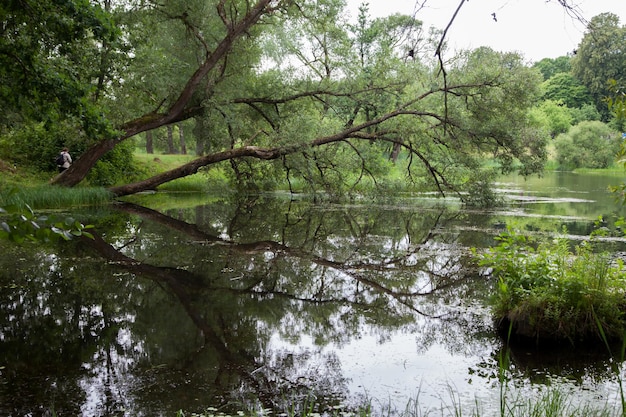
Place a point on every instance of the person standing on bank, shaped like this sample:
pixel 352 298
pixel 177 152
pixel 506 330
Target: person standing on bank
pixel 64 160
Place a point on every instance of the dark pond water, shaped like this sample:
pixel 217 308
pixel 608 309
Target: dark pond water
pixel 265 301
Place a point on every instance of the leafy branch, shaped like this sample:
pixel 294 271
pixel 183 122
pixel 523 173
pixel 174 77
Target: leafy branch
pixel 25 225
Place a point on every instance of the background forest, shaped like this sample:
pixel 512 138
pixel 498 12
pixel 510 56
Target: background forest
pixel 291 94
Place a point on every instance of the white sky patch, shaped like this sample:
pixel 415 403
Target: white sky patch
pixel 535 28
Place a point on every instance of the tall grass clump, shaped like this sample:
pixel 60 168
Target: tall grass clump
pixel 550 290
pixel 202 182
pixel 53 197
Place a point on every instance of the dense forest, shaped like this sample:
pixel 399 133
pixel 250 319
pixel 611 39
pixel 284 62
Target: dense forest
pixel 279 92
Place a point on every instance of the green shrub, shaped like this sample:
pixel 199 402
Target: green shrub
pixel 547 290
pixel 116 166
pixel 37 144
pixel 588 145
pixel 587 112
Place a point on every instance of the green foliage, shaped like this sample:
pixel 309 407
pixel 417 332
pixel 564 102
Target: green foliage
pixel 588 145
pixel 548 290
pixel 585 113
pixel 556 117
pixel 601 57
pixel 117 166
pixel 616 103
pixel 496 115
pixel 328 76
pixel 566 89
pixel 51 54
pixel 36 144
pixel 481 193
pixel 550 67
pixel 24 225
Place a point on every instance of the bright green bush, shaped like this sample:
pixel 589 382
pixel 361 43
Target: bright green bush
pixel 555 116
pixel 586 112
pixel 37 144
pixel 548 290
pixel 117 166
pixel 589 144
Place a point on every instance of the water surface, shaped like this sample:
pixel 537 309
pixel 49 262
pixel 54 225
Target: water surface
pixel 265 300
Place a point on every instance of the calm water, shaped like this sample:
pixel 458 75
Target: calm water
pixel 265 301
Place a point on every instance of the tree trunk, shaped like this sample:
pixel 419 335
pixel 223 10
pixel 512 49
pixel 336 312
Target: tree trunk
pixel 81 166
pixel 179 110
pixel 181 136
pixel 170 141
pixel 395 152
pixel 192 167
pixel 149 144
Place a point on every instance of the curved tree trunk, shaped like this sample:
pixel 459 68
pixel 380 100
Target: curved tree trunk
pixel 81 166
pixel 192 167
pixel 179 110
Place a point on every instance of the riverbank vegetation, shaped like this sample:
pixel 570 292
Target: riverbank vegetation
pixel 550 290
pixel 267 112
pixel 543 403
pixel 223 98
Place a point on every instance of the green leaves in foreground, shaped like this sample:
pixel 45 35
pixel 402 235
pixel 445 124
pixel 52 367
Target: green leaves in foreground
pixel 550 289
pixel 25 225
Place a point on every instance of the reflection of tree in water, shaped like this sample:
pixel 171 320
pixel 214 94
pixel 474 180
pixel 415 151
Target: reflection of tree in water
pixel 577 364
pixel 325 282
pixel 236 277
pixel 52 323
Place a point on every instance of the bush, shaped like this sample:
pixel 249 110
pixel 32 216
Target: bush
pixel 36 145
pixel 117 166
pixel 589 144
pixel 586 112
pixel 548 291
pixel 556 117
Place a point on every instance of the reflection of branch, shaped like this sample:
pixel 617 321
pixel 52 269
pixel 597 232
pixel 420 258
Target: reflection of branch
pixel 182 283
pixel 158 217
pixel 353 270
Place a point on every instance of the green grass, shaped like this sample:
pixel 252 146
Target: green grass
pixel 52 197
pixel 207 180
pixel 156 163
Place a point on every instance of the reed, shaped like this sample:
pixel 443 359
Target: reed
pixel 52 197
pixel 552 403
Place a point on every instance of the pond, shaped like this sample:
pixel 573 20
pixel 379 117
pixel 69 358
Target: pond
pixel 271 301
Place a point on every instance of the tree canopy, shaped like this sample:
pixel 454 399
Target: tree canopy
pixel 284 89
pixel 601 57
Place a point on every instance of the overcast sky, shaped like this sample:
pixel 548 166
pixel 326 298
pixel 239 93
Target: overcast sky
pixel 536 28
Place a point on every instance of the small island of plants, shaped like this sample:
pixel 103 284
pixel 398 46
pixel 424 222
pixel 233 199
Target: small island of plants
pixel 549 289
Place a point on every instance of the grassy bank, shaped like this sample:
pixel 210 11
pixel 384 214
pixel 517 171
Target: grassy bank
pixel 21 186
pixel 209 179
pixel 40 197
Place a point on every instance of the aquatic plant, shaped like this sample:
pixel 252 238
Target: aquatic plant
pixel 25 225
pixel 550 290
